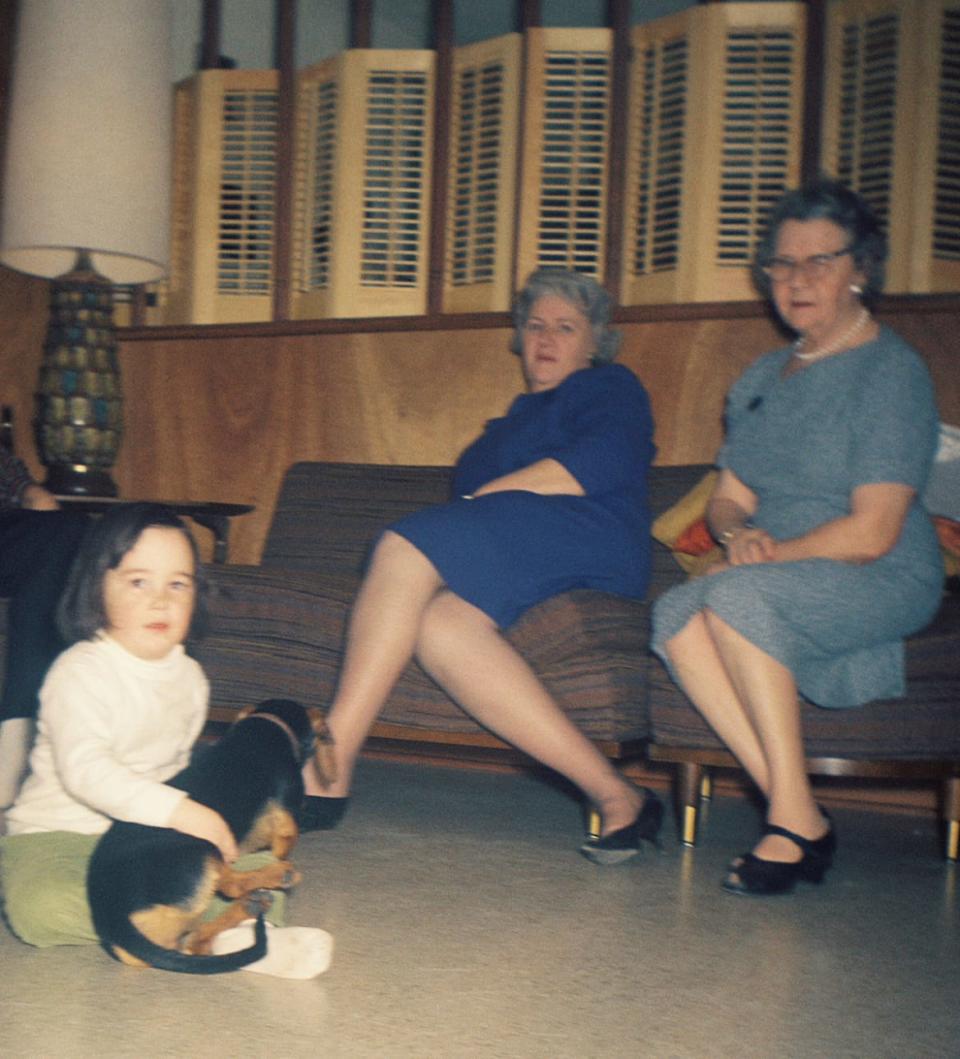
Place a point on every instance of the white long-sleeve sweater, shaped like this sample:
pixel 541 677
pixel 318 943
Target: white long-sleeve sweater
pixel 111 728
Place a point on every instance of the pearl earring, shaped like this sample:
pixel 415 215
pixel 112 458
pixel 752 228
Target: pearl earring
pixel 856 289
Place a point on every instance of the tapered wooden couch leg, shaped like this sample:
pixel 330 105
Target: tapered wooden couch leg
pixel 951 816
pixel 690 781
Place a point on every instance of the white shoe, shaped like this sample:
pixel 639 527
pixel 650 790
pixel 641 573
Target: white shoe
pixel 292 952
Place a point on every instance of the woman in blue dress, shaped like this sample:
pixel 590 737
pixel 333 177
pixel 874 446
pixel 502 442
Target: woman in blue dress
pixel 830 558
pixel 550 497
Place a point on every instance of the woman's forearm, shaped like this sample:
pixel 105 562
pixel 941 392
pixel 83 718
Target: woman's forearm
pixel 870 530
pixel 547 477
pixel 847 539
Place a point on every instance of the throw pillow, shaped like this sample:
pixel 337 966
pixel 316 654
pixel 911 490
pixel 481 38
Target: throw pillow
pixel 948 532
pixel 683 529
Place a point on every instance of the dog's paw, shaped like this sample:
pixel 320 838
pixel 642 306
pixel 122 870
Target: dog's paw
pixel 291 877
pixel 283 875
pixel 258 901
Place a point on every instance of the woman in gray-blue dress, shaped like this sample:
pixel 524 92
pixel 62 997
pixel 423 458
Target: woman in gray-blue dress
pixel 830 558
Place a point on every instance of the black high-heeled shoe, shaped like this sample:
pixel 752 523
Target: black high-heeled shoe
pixel 621 845
pixel 753 875
pixel 318 813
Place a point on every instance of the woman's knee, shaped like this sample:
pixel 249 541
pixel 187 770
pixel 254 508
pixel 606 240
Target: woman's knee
pixel 448 610
pixel 392 547
pixel 721 631
pixel 689 641
pixel 713 623
pixel 396 561
pixel 450 621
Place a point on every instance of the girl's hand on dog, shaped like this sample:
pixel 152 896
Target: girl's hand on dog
pixel 198 820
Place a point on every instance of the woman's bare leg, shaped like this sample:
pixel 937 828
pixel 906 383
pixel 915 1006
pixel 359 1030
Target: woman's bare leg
pixel 769 693
pixel 383 629
pixel 703 675
pixel 461 648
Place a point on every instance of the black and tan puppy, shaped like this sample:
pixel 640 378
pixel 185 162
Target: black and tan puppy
pixel 149 887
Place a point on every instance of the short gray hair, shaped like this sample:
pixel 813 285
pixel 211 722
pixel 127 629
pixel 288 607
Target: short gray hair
pixel 580 291
pixel 829 200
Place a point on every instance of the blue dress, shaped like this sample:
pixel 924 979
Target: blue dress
pixel 802 444
pixel 504 552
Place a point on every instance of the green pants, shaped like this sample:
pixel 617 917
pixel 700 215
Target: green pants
pixel 44 879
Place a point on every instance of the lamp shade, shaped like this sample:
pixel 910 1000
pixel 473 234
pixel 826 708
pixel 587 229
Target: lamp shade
pixel 88 146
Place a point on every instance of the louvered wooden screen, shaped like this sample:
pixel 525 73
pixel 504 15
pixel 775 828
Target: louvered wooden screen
pixel 318 95
pixel 363 176
pixel 223 199
pixel 563 186
pixel 761 129
pixel 864 56
pixel 946 206
pixel 169 299
pixel 171 296
pixel 713 140
pixel 482 176
pixel 891 117
pixel 658 148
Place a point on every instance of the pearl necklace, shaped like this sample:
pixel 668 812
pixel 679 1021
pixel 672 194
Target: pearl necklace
pixel 852 331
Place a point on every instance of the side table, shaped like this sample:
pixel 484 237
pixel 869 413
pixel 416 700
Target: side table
pixel 210 514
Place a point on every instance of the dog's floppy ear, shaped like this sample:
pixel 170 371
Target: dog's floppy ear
pixel 324 757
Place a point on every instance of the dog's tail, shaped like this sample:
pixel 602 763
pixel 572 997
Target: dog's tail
pixel 128 938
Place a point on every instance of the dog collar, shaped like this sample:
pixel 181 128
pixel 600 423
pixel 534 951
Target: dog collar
pixel 303 749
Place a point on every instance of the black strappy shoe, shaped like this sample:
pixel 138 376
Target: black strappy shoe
pixel 753 875
pixel 621 845
pixel 318 813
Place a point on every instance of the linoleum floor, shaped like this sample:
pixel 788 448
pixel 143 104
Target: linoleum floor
pixel 466 925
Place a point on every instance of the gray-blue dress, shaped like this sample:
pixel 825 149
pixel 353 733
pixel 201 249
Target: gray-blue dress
pixel 802 444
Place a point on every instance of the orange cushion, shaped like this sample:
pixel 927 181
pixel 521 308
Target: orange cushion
pixel 695 539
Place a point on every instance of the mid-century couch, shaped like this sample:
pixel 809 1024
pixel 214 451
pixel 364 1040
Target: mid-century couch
pixel 278 629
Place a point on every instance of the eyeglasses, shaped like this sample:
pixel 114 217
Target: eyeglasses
pixel 781 269
pixel 564 329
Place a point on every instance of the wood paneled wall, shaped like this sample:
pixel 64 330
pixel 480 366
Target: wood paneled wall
pixel 222 417
pixel 23 320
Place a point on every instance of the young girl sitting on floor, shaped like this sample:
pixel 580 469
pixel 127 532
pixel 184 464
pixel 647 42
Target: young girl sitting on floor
pixel 119 713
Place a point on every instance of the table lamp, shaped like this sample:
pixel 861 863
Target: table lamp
pixel 86 202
